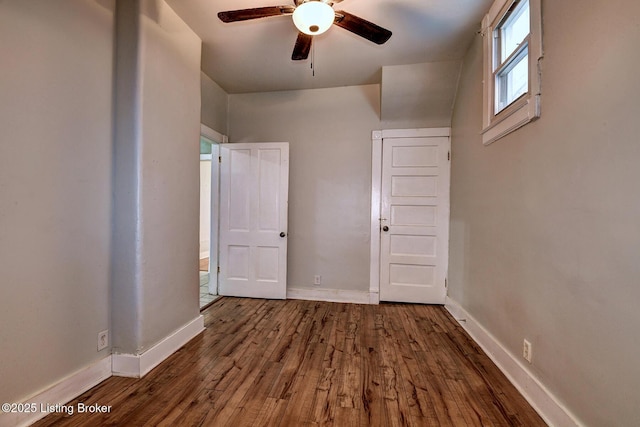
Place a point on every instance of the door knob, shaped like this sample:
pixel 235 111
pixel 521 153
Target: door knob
pixel 385 228
pixel 282 234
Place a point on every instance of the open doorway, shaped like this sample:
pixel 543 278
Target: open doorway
pixel 209 212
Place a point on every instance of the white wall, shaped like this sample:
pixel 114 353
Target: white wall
pixel 156 210
pixel 330 169
pixel 545 234
pixel 329 131
pixel 98 224
pixel 214 104
pixel 419 95
pixel 55 189
pixel 170 176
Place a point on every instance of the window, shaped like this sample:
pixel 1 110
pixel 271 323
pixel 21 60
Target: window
pixel 511 56
pixel 512 49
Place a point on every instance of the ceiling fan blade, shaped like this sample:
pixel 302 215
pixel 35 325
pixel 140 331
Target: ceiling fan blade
pixel 258 12
pixel 362 27
pixel 302 47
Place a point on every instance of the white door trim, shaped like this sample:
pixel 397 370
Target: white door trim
pixel 414 133
pixel 217 138
pixel 214 238
pixel 377 137
pixel 213 135
pixel 376 194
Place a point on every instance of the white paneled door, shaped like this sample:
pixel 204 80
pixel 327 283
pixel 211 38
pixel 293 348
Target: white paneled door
pixel 254 184
pixel 414 224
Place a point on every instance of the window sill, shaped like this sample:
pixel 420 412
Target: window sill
pixel 511 119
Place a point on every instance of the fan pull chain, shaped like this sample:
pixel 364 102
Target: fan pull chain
pixel 313 58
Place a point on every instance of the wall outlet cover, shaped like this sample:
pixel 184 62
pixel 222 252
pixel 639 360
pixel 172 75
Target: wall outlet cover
pixel 527 351
pixel 103 339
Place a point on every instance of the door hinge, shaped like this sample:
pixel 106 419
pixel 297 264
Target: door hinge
pixel 448 155
pixel 218 269
pixel 446 285
pixel 219 159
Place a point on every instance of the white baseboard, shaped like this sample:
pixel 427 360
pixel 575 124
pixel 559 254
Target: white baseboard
pixel 330 295
pixel 538 396
pixel 374 298
pixel 60 393
pixel 138 365
pixel 127 365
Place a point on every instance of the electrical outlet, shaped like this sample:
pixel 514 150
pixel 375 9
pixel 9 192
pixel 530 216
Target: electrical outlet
pixel 103 339
pixel 317 280
pixel 527 351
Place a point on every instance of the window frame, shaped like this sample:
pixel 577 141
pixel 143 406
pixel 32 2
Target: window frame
pixel 526 107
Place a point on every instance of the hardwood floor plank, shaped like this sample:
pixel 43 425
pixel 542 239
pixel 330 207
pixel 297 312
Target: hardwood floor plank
pixel 432 377
pixel 371 368
pixel 323 409
pixel 349 389
pixel 306 384
pixel 242 380
pixel 249 409
pixel 193 412
pixel 271 412
pixel 292 355
pixel 304 387
pixel 307 363
pixel 415 386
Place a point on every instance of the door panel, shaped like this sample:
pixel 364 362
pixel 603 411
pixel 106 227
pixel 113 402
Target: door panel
pixel 414 156
pixel 420 216
pixel 237 265
pixel 240 198
pixel 267 264
pixel 269 203
pixel 415 215
pixel 412 275
pixel 413 186
pixel 254 186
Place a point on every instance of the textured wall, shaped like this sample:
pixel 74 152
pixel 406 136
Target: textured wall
pixel 544 232
pixel 214 104
pixel 55 189
pixel 156 212
pixel 329 131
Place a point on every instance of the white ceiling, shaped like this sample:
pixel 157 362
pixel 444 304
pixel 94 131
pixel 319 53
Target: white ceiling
pixel 255 56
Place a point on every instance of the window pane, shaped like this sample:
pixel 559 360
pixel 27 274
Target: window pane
pixel 512 81
pixel 514 29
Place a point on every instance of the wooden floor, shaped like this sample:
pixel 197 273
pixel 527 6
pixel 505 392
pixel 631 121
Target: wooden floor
pixel 306 363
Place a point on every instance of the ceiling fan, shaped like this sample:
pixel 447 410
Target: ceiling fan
pixel 312 17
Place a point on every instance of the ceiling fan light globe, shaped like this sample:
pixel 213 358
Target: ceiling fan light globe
pixel 313 17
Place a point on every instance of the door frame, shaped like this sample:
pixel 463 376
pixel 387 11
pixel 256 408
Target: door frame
pixel 214 225
pixel 377 141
